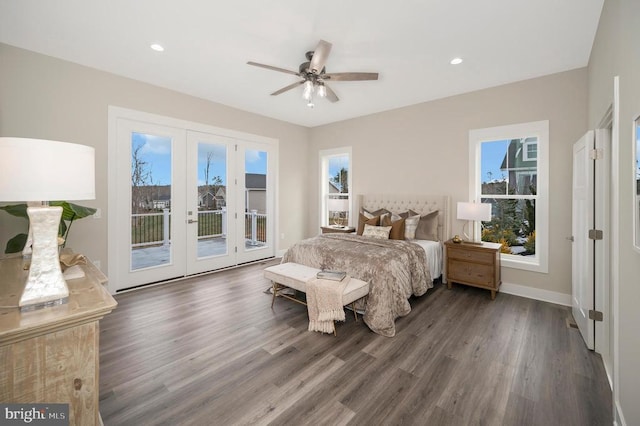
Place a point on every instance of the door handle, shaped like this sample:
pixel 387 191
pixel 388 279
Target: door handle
pixel 571 238
pixel 192 221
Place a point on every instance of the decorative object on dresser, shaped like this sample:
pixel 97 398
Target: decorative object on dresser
pixel 38 170
pixel 474 212
pixel 52 355
pixel 476 265
pixel 337 229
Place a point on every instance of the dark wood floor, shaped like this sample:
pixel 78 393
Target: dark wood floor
pixel 211 351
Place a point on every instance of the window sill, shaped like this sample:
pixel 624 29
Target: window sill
pixel 518 262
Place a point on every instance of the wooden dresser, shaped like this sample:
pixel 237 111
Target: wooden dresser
pixel 52 355
pixel 476 265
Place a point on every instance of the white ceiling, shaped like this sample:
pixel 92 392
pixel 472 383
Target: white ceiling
pixel 409 42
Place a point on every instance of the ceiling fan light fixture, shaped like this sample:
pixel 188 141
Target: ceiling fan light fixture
pixel 322 90
pixel 307 93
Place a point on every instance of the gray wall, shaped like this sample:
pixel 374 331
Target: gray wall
pixel 616 52
pixel 424 149
pixel 44 97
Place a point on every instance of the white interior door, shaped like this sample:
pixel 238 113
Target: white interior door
pixel 583 247
pixel 149 231
pixel 211 202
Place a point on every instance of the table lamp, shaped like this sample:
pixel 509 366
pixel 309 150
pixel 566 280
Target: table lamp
pixel 474 212
pixel 42 170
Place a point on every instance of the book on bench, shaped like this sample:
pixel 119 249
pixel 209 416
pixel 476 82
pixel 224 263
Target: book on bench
pixel 331 275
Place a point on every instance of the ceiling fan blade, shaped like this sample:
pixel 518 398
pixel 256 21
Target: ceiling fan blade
pixel 269 67
pixel 350 76
pixel 289 87
pixel 331 95
pixel 320 55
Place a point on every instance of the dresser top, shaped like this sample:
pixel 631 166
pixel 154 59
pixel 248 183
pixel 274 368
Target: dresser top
pixel 88 301
pixel 471 246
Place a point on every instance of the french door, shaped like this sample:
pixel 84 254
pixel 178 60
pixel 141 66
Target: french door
pixel 187 201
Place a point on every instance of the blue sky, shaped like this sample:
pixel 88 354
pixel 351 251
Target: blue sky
pixel 492 155
pixel 337 163
pixel 156 152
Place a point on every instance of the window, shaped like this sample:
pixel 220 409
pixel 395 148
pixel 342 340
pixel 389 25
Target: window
pixel 530 149
pixel 335 187
pixel 509 169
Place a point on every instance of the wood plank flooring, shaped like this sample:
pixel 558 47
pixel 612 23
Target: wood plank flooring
pixel 211 351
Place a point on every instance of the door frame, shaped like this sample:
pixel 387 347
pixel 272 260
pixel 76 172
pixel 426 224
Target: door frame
pixel 114 114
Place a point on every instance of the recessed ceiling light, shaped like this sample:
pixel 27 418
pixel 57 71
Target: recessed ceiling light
pixel 157 47
pixel 456 61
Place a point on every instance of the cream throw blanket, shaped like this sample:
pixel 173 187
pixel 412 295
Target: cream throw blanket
pixel 324 303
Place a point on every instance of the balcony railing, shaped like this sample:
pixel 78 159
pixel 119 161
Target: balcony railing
pixel 255 228
pixel 149 229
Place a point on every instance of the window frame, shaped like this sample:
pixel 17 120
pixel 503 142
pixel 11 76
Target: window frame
pixel 540 129
pixel 324 156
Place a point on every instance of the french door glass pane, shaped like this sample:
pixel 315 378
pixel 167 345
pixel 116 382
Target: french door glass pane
pixel 150 200
pixel 212 199
pixel 256 214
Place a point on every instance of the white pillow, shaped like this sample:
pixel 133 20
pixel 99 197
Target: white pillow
pixel 410 226
pixel 379 232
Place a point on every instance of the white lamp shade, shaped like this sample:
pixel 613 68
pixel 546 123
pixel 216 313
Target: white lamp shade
pixel 338 204
pixel 43 170
pixel 474 211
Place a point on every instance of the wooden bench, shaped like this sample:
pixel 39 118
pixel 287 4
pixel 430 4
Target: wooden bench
pixel 296 276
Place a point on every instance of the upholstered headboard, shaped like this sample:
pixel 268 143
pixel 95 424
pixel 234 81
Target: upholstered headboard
pixel 399 203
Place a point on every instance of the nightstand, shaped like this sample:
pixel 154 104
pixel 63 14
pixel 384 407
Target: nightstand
pixel 477 265
pixel 337 229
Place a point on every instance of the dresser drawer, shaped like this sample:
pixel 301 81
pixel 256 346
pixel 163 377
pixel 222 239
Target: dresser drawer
pixel 472 273
pixel 471 255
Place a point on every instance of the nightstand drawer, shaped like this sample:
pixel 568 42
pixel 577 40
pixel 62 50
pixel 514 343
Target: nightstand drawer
pixel 472 273
pixel 471 255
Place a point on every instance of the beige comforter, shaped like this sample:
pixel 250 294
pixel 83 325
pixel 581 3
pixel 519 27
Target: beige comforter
pixel 394 269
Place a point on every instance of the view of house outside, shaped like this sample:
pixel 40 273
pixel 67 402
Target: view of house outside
pixel 509 184
pixel 338 197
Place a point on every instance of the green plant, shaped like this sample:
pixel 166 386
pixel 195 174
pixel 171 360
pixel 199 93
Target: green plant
pixel 530 244
pixel 70 212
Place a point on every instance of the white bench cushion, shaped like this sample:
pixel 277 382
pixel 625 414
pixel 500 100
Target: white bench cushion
pixel 296 276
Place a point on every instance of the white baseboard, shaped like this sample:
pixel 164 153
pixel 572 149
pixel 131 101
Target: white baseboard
pixel 536 293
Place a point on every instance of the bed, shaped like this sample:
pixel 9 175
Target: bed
pixel 396 270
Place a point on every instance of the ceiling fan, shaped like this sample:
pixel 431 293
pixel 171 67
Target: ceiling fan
pixel 314 75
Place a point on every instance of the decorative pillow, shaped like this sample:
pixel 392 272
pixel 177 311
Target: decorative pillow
pixel 428 227
pixel 410 226
pixel 397 227
pixel 379 232
pixel 363 220
pixel 370 215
